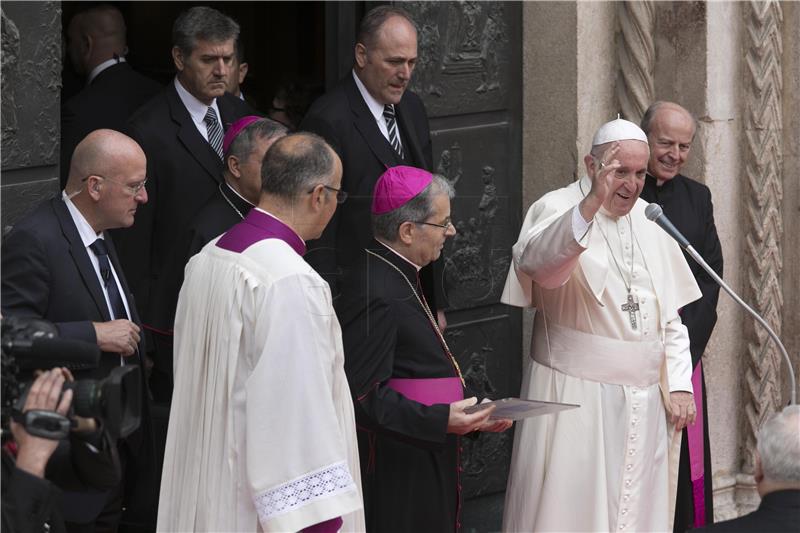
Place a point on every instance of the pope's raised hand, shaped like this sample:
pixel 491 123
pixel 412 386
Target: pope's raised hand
pixel 603 170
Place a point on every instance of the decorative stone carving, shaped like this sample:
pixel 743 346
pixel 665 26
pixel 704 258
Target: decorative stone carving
pixel 31 83
pixel 474 269
pixel 637 57
pixel 763 132
pixel 10 44
pixel 480 345
pixel 450 164
pixel 463 50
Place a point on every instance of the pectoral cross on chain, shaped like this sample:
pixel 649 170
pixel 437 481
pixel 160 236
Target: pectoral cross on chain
pixel 631 307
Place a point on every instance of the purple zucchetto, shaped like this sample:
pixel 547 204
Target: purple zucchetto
pixel 235 129
pixel 397 186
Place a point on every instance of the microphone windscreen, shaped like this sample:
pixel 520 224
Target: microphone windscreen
pixel 653 211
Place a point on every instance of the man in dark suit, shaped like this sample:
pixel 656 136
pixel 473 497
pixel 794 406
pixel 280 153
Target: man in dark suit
pixel 96 45
pixel 59 264
pixel 181 132
pixel 777 477
pixel 245 144
pixel 670 131
pixel 373 123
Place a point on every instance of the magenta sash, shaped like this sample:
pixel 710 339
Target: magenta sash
pixel 429 391
pixel 696 448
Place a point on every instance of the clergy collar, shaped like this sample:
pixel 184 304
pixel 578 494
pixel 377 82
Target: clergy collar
pixel 375 107
pixel 237 201
pixel 668 184
pixel 257 226
pixel 396 258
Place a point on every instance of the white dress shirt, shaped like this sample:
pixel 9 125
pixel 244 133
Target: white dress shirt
pixel 376 108
pixel 197 109
pixel 88 236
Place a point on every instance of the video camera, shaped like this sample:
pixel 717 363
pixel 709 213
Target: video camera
pixel 33 344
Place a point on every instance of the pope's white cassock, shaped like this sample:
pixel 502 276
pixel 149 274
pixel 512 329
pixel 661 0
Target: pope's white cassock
pixel 261 433
pixel 606 466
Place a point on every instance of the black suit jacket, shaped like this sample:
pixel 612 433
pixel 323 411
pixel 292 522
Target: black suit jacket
pixel 107 102
pixel 779 512
pixel 183 172
pixel 222 211
pixel 342 117
pixel 47 273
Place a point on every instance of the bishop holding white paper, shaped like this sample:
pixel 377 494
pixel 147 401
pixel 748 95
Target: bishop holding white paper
pixel 607 285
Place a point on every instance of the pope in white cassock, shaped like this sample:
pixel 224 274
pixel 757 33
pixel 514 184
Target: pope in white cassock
pixel 261 433
pixel 607 285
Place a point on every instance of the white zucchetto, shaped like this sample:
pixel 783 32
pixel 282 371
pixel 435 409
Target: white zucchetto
pixel 618 130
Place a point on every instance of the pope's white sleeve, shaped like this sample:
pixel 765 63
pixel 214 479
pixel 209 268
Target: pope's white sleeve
pixel 679 358
pixel 549 252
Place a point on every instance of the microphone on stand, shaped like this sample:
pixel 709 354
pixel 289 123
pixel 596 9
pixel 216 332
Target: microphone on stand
pixel 656 214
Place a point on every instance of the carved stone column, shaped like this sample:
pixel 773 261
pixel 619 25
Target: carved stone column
pixel 637 57
pixel 763 158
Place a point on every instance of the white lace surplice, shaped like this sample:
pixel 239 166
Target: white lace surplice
pixel 261 433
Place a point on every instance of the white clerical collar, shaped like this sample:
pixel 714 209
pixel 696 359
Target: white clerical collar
pixel 245 200
pixel 375 107
pixel 85 230
pixel 102 66
pixel 195 107
pixel 281 221
pixel 401 256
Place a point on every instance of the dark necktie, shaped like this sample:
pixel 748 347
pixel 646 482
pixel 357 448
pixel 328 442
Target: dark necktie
pixel 117 306
pixel 214 131
pixel 391 125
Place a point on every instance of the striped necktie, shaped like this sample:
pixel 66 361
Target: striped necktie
pixel 214 131
pixel 391 125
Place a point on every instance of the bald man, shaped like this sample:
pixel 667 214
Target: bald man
pixel 97 46
pixel 59 264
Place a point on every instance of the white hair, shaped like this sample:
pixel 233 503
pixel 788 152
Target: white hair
pixel 779 446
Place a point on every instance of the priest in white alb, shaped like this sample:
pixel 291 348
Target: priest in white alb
pixel 607 285
pixel 261 432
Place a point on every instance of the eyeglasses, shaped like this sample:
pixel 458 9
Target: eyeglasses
pixel 133 189
pixel 341 195
pixel 446 226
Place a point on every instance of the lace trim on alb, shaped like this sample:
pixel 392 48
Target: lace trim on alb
pixel 329 481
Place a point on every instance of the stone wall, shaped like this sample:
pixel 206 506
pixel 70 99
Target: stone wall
pixel 737 67
pixel 31 83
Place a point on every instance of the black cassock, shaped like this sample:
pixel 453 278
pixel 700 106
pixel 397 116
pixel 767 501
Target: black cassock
pixel 409 463
pixel 687 204
pixel 221 212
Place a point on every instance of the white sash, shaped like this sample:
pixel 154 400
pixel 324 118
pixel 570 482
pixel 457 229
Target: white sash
pixel 596 358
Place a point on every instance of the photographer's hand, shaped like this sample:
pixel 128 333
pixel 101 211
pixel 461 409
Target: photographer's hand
pixel 34 452
pixel 117 336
